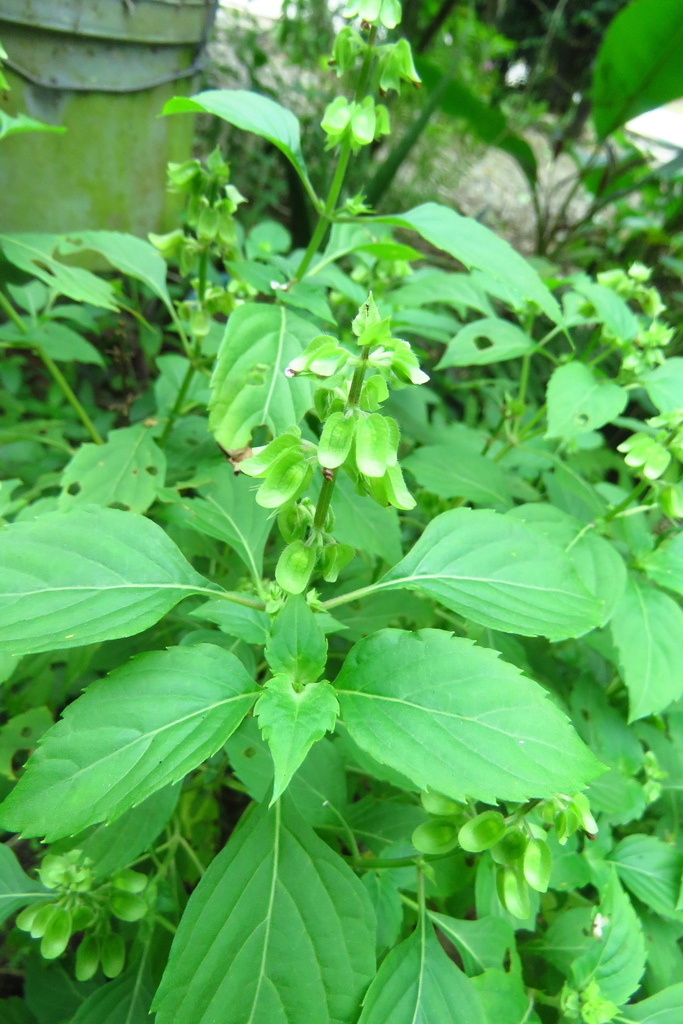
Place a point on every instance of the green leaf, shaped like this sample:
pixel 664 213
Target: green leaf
pixel 21 732
pixel 665 564
pixel 17 890
pixel 249 387
pixel 504 340
pixel 664 1008
pixel 113 846
pixel 482 944
pixel 297 645
pixel 418 982
pixel 125 1000
pixel 365 525
pixel 476 246
pixel 292 721
pixel 498 572
pixel 652 871
pixel 646 627
pixel 248 624
pixel 80 577
pixel 451 472
pixel 617 960
pixel 144 726
pixel 578 401
pixel 567 939
pixel 22 123
pixel 227 510
pixel 425 287
pixel 56 340
pixel 133 256
pixel 34 255
pixel 251 112
pixel 388 908
pixel 127 470
pixel 274 891
pixel 638 65
pixel 597 562
pixel 664 385
pixel 503 996
pixel 612 310
pixel 456 719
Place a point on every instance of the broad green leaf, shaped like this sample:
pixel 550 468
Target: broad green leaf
pixel 449 472
pixel 456 719
pixel 56 340
pixel 503 996
pixel 113 846
pixel 127 470
pixel 664 385
pixel 365 525
pixel 663 1008
pixel 248 624
pixel 665 957
pixel 482 342
pixel 617 798
pixel 612 310
pixel 125 1000
pixel 578 401
pixel 379 823
pixel 79 577
pixel 652 871
pixel 665 564
pixel 418 982
pixel 278 931
pixel 498 572
pixel 14 1010
pixel 603 727
pixel 476 246
pixel 249 387
pixel 172 372
pixel 617 960
pixel 34 255
pixel 227 510
pixel 297 645
pixel 51 993
pixel 567 939
pixel 21 732
pixel 133 256
pixel 647 627
pixel 144 726
pixel 638 65
pixel 482 944
pixel 251 112
pixel 428 286
pixel 596 561
pixel 388 908
pixel 292 721
pixel 318 788
pixel 22 123
pixel 17 890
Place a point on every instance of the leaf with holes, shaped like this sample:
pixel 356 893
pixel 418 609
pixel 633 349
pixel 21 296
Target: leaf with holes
pixel 248 387
pixel 274 891
pixel 578 401
pixel 486 341
pixel 126 471
pixel 144 726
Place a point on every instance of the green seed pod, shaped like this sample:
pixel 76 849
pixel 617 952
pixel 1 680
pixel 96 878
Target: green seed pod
pixel 87 958
pixel 377 488
pixel 112 955
pixel 373 448
pixel 285 481
pixel 130 881
pixel 671 501
pixel 263 458
pixel 294 567
pixel 513 893
pixel 25 919
pixel 42 919
pixel 292 522
pixel 207 225
pixel 566 824
pixel 437 804
pixel 336 440
pixel 538 862
pixel 482 832
pixel 375 391
pixel 510 848
pixel 336 556
pixel 398 494
pixel 582 808
pixel 436 836
pixel 57 934
pixel 394 439
pixel 127 906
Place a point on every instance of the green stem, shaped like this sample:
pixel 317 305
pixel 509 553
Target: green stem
pixel 324 499
pixel 246 602
pixel 12 313
pixel 180 397
pixel 62 383
pixel 635 493
pixel 340 172
pixel 352 595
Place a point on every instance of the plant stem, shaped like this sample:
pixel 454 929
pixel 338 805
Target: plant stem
pixel 12 313
pixel 62 382
pixel 182 393
pixel 635 493
pixel 340 172
pixel 353 595
pixel 324 499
